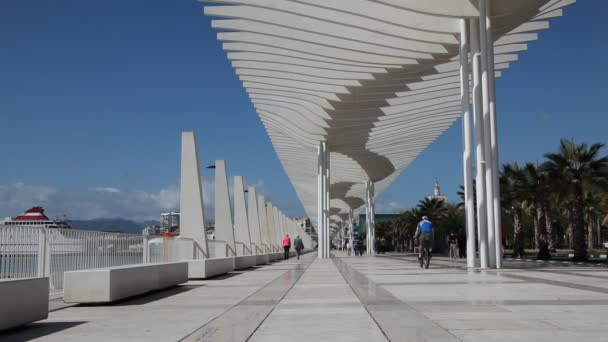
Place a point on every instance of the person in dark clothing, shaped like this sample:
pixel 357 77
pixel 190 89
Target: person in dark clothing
pixel 358 247
pixel 453 241
pixel 286 246
pixel 299 245
pixel 462 245
pixel 377 246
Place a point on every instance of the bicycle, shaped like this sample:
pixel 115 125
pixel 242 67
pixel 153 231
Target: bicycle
pixel 425 261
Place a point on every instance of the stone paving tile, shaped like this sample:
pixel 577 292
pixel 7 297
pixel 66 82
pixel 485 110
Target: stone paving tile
pixel 547 302
pixel 354 299
pixel 162 316
pixel 321 318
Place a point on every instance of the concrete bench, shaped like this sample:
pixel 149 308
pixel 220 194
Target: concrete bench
pixel 206 268
pixel 23 301
pixel 105 285
pixel 244 261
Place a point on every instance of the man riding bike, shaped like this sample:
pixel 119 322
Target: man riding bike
pixel 425 234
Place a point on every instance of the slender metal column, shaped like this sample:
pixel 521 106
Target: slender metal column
pixel 479 153
pixel 372 216
pixel 327 201
pixel 321 200
pixel 351 232
pixel 487 145
pixel 466 142
pixel 494 138
pixel 368 221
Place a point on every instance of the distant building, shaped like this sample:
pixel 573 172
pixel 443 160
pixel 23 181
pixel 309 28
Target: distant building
pixel 169 220
pixel 210 230
pixel 152 230
pixel 305 224
pixel 437 193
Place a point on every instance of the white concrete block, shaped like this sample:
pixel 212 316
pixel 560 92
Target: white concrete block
pixel 23 301
pixel 110 284
pixel 206 268
pixel 262 259
pixel 244 261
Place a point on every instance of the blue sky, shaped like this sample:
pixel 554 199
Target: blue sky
pixel 94 95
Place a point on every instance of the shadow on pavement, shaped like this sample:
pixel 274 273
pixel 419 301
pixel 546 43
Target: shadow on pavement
pixel 36 330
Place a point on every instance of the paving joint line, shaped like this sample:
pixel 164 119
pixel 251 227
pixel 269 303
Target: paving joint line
pixel 343 266
pixel 307 265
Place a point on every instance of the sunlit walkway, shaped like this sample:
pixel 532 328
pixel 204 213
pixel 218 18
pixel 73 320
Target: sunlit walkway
pixel 354 299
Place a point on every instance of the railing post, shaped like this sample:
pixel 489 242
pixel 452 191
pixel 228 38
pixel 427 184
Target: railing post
pixel 44 252
pixel 146 250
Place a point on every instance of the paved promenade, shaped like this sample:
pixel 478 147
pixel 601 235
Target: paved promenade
pixel 388 298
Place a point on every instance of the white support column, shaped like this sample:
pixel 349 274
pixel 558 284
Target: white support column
pixel 192 216
pixel 224 230
pixel 487 145
pixel 272 234
pixel 242 232
pixel 321 200
pixel 327 201
pixel 479 153
pixel 351 231
pixel 263 224
pixel 279 227
pixel 254 220
pixel 367 221
pixel 372 217
pixel 494 139
pixel 466 141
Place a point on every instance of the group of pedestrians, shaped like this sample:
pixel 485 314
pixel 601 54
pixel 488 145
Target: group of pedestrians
pixel 298 244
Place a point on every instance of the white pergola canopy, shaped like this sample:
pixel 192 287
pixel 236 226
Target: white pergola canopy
pixel 377 80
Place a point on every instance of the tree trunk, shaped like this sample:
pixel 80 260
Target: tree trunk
pixel 518 234
pixel 590 234
pixel 535 221
pixel 543 244
pixel 598 228
pixel 569 228
pixel 579 243
pixel 549 227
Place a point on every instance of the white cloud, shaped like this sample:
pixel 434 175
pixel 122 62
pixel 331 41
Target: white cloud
pixel 102 201
pixel 99 202
pixel 107 189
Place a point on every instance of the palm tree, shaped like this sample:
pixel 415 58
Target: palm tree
pixel 406 223
pixel 535 191
pixel 594 212
pixel 511 190
pixel 434 208
pixel 578 167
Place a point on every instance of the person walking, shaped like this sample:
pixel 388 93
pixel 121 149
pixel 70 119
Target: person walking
pixel 453 241
pixel 298 244
pixel 358 247
pixel 286 246
pixel 462 244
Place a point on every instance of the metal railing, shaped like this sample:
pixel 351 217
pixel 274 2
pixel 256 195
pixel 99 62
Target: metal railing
pixel 217 248
pixel 163 249
pixel 242 249
pixel 27 252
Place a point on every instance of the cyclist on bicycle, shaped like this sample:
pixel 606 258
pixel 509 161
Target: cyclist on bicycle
pixel 425 234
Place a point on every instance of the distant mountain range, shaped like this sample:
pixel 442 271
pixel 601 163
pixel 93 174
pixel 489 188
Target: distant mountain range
pixel 112 225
